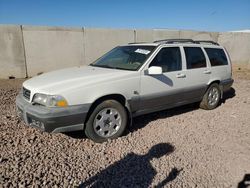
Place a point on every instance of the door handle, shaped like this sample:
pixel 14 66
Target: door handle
pixel 207 72
pixel 180 75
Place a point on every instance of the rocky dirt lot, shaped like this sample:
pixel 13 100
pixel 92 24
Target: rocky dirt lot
pixel 182 147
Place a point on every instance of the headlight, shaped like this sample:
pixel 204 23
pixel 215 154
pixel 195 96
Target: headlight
pixel 50 100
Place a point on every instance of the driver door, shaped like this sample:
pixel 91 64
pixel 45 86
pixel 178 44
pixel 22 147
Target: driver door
pixel 166 89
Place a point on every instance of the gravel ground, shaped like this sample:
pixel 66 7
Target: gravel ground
pixel 182 147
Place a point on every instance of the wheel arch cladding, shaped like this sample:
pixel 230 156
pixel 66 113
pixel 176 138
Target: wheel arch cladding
pixel 117 97
pixel 212 82
pixel 216 82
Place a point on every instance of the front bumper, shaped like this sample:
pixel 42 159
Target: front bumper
pixel 55 119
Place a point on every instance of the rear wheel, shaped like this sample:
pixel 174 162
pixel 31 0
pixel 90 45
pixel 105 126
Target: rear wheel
pixel 107 121
pixel 211 98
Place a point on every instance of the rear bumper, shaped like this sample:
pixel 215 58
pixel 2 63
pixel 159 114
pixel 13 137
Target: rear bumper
pixel 226 84
pixel 52 119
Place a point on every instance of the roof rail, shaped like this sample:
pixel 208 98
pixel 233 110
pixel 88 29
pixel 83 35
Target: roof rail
pixel 171 41
pixel 206 41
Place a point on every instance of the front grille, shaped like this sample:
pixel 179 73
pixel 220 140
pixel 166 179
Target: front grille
pixel 26 93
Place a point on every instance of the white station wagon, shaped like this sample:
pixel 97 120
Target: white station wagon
pixel 131 80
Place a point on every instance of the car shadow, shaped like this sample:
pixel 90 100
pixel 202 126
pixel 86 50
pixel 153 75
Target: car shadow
pixel 245 183
pixel 166 80
pixel 228 95
pixel 134 170
pixel 143 120
pixel 76 134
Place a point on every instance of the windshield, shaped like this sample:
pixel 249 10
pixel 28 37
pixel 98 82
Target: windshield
pixel 125 57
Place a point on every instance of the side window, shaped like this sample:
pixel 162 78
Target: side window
pixel 216 56
pixel 168 58
pixel 195 57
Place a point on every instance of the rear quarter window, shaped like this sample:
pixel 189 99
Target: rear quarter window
pixel 216 56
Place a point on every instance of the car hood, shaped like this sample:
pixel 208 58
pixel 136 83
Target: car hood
pixel 56 81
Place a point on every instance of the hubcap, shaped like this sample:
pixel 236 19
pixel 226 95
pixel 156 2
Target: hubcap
pixel 213 96
pixel 107 122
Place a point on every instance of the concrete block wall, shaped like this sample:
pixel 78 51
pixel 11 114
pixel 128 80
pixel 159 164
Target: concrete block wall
pixel 29 50
pixel 51 48
pixel 238 46
pixel 159 34
pixel 12 60
pixel 196 35
pixel 99 41
pixel 144 35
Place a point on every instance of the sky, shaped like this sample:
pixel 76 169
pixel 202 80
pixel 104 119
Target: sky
pixel 202 15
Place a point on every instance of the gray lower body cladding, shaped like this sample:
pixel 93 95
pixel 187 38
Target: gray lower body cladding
pixel 226 84
pixel 63 119
pixel 169 99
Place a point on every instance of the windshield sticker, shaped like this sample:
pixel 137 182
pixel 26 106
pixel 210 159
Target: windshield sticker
pixel 142 51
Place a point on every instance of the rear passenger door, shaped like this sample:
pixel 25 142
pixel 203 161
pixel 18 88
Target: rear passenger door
pixel 197 73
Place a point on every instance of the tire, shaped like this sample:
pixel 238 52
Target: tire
pixel 211 98
pixel 107 121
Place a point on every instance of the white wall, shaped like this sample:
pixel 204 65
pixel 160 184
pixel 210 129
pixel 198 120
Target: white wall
pixel 51 48
pixel 12 61
pixel 30 50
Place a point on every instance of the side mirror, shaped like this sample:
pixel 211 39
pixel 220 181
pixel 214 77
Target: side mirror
pixel 154 70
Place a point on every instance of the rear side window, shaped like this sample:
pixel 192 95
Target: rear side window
pixel 216 56
pixel 195 57
pixel 168 58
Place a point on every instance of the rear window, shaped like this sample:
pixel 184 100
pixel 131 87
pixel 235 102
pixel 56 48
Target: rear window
pixel 216 56
pixel 195 57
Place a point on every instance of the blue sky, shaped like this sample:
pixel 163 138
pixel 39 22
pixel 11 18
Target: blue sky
pixel 210 15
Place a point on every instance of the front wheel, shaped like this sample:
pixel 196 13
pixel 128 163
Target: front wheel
pixel 107 121
pixel 211 98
